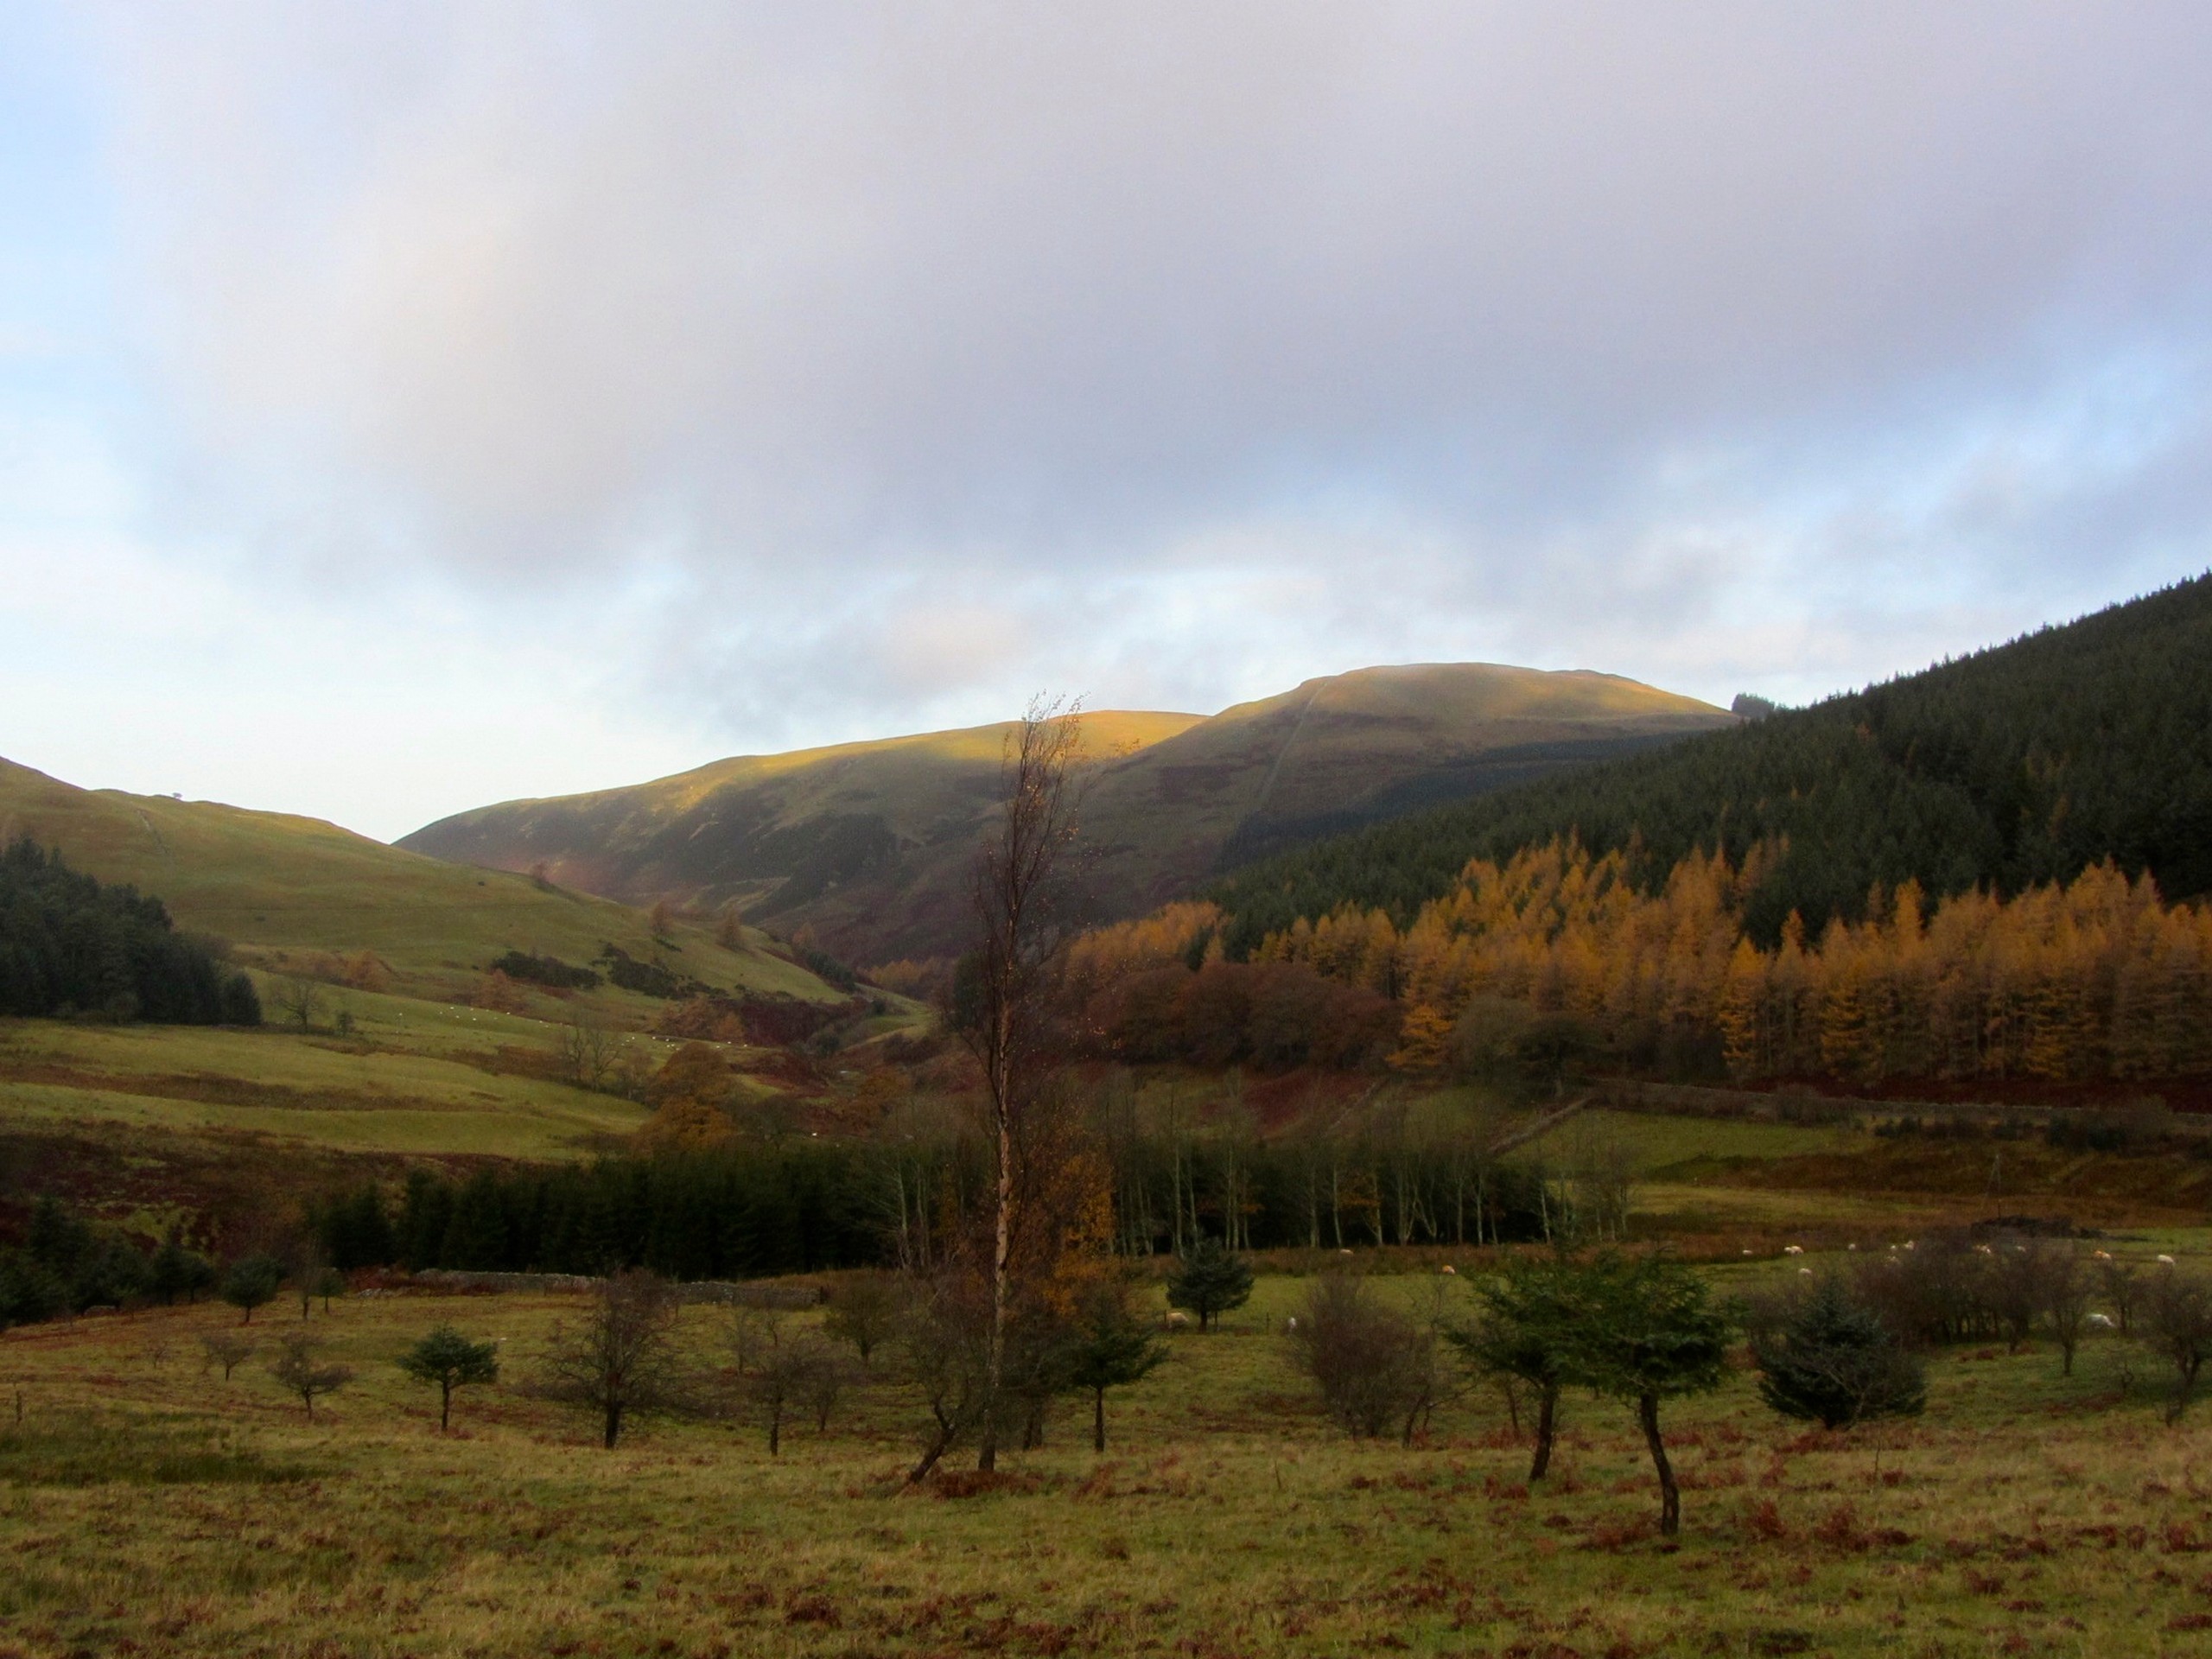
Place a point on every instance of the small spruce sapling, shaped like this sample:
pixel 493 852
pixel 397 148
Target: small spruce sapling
pixel 1831 1359
pixel 1209 1280
pixel 450 1361
pixel 251 1282
pixel 1111 1348
pixel 1524 1335
pixel 1646 1330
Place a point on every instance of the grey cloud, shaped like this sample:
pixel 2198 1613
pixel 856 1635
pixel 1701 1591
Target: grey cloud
pixel 935 351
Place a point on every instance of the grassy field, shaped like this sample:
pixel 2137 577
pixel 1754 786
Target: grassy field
pixel 412 1077
pixel 1660 1146
pixel 150 1507
pixel 288 890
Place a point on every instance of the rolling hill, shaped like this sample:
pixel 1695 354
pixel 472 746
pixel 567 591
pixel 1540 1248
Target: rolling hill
pixel 869 844
pixel 2021 763
pixel 277 886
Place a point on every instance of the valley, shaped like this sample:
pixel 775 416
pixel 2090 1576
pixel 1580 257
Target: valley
pixel 612 1047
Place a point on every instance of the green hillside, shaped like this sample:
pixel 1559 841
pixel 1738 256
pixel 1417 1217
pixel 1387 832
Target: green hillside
pixel 869 844
pixel 2020 764
pixel 164 1120
pixel 279 888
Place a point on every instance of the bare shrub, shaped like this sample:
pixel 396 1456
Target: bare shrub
pixel 1930 1292
pixel 2121 1283
pixel 300 1366
pixel 621 1360
pixel 587 1054
pixel 943 1347
pixel 755 1333
pixel 2015 1286
pixel 299 998
pixel 228 1348
pixel 865 1310
pixel 1375 1369
pixel 2068 1287
pixel 802 1376
pixel 2177 1320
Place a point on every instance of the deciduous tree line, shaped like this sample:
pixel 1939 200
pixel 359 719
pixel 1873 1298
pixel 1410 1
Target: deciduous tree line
pixel 2095 978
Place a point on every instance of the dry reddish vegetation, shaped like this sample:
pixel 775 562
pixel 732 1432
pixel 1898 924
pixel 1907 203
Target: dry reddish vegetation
pixel 149 1507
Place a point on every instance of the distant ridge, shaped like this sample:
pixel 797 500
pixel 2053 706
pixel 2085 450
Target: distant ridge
pixel 2020 764
pixel 869 844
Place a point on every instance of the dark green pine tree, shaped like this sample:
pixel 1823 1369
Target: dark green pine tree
pixel 1209 1280
pixel 1832 1360
pixel 1111 1348
pixel 177 1272
pixel 252 1282
pixel 425 1215
pixel 448 1360
pixel 1646 1332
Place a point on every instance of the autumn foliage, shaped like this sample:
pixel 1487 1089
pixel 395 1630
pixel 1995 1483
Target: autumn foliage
pixel 2093 978
pixel 1158 989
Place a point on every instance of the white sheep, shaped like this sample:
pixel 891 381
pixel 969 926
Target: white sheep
pixel 2101 1255
pixel 1804 1273
pixel 1177 1321
pixel 1448 1267
pixel 2101 1321
pixel 2166 1261
pixel 1793 1250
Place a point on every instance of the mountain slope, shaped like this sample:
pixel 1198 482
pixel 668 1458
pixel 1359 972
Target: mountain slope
pixel 274 883
pixel 2021 763
pixel 870 843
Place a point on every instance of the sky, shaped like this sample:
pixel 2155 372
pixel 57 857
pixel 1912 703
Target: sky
pixel 408 406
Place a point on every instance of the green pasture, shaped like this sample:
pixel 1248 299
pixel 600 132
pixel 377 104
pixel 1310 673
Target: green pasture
pixel 146 1505
pixel 1657 1146
pixel 413 1077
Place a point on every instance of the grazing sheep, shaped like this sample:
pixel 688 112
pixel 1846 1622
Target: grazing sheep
pixel 2101 1321
pixel 2166 1260
pixel 1177 1321
pixel 1805 1272
pixel 1448 1267
pixel 2101 1255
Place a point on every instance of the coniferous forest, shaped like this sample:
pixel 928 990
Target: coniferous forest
pixel 2024 764
pixel 71 945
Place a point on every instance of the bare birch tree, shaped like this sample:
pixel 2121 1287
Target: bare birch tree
pixel 1007 1005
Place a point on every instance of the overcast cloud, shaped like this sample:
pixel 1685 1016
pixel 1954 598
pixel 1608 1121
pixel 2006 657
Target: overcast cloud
pixel 479 399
